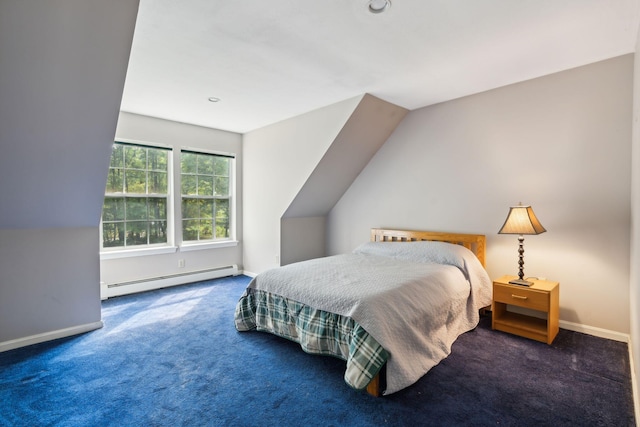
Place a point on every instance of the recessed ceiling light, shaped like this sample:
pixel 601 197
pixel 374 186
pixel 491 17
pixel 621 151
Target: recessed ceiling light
pixel 214 99
pixel 379 6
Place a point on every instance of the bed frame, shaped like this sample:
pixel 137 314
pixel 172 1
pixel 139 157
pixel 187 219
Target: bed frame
pixel 476 243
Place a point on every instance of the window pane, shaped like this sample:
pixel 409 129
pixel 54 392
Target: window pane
pixel 158 232
pixel 158 159
pixel 206 208
pixel 190 229
pixel 117 156
pixel 190 208
pixel 206 229
pixel 205 185
pixel 222 219
pixel 136 208
pixel 112 234
pixel 115 181
pixel 136 181
pixel 135 157
pixel 157 183
pixel 136 233
pixel 205 164
pixel 222 231
pixel 222 186
pixel 113 209
pixel 222 208
pixel 158 209
pixel 189 185
pixel 221 166
pixel 188 162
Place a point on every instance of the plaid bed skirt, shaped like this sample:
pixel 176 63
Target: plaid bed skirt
pixel 317 332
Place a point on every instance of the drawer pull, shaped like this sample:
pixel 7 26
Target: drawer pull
pixel 518 297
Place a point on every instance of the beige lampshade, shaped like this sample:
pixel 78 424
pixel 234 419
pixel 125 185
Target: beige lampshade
pixel 521 220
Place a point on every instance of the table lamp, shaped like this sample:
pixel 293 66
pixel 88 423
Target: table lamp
pixel 521 220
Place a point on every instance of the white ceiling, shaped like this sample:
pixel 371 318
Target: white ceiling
pixel 271 60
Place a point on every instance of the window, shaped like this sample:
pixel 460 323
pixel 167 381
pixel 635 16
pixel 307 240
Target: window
pixel 136 197
pixel 142 210
pixel 205 196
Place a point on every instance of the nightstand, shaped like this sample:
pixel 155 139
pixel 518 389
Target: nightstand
pixel 542 297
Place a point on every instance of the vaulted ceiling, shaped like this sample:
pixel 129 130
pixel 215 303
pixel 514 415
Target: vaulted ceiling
pixel 271 60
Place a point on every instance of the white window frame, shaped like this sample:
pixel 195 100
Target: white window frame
pixel 191 245
pixel 155 248
pixel 175 242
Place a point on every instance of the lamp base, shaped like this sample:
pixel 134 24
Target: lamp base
pixel 520 282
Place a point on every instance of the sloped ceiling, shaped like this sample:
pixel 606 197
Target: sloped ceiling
pixel 62 72
pixel 366 130
pixel 272 60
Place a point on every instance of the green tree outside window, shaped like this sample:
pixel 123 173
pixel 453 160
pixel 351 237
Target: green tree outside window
pixel 205 196
pixel 135 204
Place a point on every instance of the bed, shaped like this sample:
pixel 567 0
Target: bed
pixel 391 309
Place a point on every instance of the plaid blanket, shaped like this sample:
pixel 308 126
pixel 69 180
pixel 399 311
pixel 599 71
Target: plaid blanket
pixel 317 332
pixel 413 298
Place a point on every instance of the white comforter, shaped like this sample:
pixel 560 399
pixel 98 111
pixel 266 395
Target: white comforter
pixel 414 298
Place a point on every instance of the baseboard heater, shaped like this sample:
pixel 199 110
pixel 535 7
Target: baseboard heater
pixel 124 288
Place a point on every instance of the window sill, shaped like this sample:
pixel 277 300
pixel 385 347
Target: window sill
pixel 186 247
pixel 128 253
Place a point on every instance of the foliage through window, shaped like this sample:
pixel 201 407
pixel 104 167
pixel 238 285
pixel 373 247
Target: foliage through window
pixel 136 197
pixel 205 196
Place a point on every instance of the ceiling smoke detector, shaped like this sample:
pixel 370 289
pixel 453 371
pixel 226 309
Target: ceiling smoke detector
pixel 379 6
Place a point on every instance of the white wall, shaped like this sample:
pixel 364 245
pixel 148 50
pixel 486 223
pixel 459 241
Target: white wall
pixel 561 143
pixel 634 294
pixel 48 283
pixel 62 70
pixel 178 135
pixel 278 159
pixel 301 249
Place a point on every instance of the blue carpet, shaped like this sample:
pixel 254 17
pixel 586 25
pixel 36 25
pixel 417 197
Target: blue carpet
pixel 173 358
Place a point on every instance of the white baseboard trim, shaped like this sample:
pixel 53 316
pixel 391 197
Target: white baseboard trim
pixel 48 336
pixel 597 332
pixel 248 273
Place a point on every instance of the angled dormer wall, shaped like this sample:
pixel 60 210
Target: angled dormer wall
pixel 61 78
pixel 296 170
pixel 366 130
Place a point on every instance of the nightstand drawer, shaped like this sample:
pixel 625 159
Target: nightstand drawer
pixel 521 297
pixel 542 296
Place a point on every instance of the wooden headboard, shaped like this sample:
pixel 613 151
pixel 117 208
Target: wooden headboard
pixel 476 243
